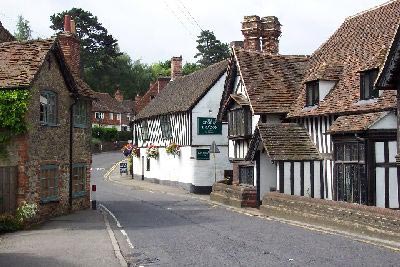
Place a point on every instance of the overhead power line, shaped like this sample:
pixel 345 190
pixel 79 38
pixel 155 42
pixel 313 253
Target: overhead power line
pixel 179 19
pixel 188 12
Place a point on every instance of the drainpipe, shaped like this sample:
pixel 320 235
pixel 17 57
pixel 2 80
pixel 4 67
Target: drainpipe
pixel 71 139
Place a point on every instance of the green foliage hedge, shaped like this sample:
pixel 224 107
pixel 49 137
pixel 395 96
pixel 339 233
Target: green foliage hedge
pixel 110 134
pixel 13 106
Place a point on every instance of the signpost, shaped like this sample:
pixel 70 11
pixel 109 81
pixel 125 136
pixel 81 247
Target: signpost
pixel 214 149
pixel 208 126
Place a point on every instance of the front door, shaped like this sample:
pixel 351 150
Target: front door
pixel 351 183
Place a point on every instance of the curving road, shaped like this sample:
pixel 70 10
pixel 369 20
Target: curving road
pixel 180 231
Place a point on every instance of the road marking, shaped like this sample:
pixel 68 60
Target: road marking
pixel 118 225
pixel 114 242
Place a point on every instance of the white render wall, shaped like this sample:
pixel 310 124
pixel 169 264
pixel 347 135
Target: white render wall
pixel 184 168
pixel 268 174
pixel 208 107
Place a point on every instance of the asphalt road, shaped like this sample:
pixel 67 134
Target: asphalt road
pixel 180 231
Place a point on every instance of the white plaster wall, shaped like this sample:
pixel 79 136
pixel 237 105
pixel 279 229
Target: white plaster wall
pixel 387 122
pixel 184 168
pixel 254 121
pixel 393 189
pixel 380 187
pixel 379 152
pixel 208 106
pixel 317 181
pixel 307 179
pixel 273 119
pixel 231 148
pixel 268 174
pixel 286 177
pixel 324 88
pixel 297 179
pixel 392 151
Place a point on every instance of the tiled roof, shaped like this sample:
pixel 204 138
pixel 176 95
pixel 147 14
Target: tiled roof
pixel 355 123
pixel 181 94
pixel 128 106
pixel 5 35
pixel 272 81
pixel 286 141
pixel 154 90
pixel 325 72
pixel 361 43
pixel 106 103
pixel 240 99
pixel 83 88
pixel 20 61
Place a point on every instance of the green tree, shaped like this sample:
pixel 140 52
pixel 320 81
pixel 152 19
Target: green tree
pixel 210 49
pixel 161 69
pixel 24 31
pixel 190 67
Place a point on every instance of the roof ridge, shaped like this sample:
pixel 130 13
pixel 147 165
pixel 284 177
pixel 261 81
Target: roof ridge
pixel 369 10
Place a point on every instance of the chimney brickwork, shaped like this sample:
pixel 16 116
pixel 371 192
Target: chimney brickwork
pixel 176 67
pixel 119 96
pixel 70 45
pixel 270 33
pixel 251 28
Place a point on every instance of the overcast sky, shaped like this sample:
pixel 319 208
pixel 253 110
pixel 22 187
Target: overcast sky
pixel 156 30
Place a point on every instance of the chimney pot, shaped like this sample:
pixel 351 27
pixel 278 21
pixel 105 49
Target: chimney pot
pixel 67 23
pixel 176 67
pixel 73 26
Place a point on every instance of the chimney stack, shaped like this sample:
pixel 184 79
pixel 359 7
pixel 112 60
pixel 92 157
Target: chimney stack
pixel 176 67
pixel 118 95
pixel 270 33
pixel 251 28
pixel 70 45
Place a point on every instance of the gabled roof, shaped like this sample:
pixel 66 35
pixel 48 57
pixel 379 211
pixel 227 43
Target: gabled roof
pixel 356 123
pixel 183 93
pixel 154 90
pixel 284 141
pixel 272 81
pixel 128 106
pixel 361 43
pixel 21 61
pixel 5 35
pixel 106 103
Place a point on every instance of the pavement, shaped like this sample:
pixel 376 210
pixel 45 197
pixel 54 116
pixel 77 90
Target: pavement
pixel 78 239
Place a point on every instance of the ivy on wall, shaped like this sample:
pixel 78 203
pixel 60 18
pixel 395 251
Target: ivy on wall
pixel 13 106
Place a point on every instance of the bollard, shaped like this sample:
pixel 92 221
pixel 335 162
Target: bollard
pixel 94 197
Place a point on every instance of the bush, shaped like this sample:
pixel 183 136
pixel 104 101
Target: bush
pixel 24 213
pixel 105 134
pixel 124 136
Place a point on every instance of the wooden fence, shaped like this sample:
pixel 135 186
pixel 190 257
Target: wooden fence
pixel 8 189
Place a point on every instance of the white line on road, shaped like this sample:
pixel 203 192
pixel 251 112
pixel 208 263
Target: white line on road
pixel 118 225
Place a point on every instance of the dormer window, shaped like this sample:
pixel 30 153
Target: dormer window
pixel 367 80
pixel 312 93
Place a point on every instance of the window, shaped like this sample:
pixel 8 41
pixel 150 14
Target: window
pixel 166 129
pixel 350 172
pixel 80 114
pixel 118 117
pixel 111 116
pixel 246 175
pixel 144 131
pixel 48 108
pixel 239 122
pixel 312 93
pixel 367 80
pixel 78 179
pixel 48 183
pixel 99 115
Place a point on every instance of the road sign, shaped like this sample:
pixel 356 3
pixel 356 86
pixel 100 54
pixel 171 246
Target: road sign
pixel 123 168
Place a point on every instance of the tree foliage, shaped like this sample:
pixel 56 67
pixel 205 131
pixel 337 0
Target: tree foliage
pixel 24 31
pixel 210 49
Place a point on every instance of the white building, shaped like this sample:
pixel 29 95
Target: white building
pixel 184 113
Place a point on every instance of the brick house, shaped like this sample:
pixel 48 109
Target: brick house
pixel 337 140
pixel 106 111
pixel 53 158
pixel 128 110
pixel 155 88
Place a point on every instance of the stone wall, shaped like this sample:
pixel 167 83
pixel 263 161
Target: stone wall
pixel 373 221
pixel 234 195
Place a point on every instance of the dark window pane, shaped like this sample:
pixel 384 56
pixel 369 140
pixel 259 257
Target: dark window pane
pixel 347 152
pixel 340 181
pixel 361 152
pixel 339 150
pixel 356 185
pixel 363 184
pixel 246 175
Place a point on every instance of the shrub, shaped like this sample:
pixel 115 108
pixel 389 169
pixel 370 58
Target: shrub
pixel 9 223
pixel 24 213
pixel 124 136
pixel 105 134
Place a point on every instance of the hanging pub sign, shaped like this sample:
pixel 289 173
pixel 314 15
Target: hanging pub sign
pixel 202 154
pixel 208 126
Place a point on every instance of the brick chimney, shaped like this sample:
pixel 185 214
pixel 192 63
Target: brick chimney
pixel 70 45
pixel 270 33
pixel 251 28
pixel 119 96
pixel 176 67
